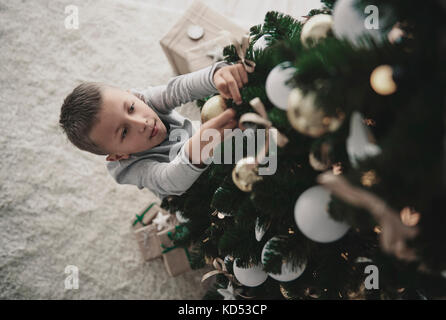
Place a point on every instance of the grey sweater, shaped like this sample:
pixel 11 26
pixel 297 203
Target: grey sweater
pixel 165 169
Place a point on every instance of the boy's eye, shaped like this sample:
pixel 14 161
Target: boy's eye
pixel 132 108
pixel 124 133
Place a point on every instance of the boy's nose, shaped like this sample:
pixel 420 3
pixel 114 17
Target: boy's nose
pixel 143 125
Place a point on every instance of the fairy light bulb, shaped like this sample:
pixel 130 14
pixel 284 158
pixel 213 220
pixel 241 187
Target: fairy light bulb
pixel 382 81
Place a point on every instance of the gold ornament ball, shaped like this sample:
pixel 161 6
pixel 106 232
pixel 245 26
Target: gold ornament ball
pixel 245 174
pixel 315 29
pixel 381 80
pixel 212 108
pixel 306 118
pixel 369 178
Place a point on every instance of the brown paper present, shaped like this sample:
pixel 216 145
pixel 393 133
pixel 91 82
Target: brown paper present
pixel 148 242
pixel 176 259
pixel 176 44
pixel 204 53
pixel 145 217
pixel 146 232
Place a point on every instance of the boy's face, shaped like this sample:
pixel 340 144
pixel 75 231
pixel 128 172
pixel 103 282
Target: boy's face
pixel 125 125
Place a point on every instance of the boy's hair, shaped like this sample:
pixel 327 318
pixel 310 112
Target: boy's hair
pixel 79 114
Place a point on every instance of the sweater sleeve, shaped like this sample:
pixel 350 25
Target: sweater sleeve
pixel 181 89
pixel 162 178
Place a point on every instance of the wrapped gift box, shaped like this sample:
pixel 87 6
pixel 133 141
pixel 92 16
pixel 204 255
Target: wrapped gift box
pixel 187 55
pixel 146 233
pixel 148 242
pixel 145 217
pixel 176 259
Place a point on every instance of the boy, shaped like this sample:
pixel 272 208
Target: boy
pixel 133 127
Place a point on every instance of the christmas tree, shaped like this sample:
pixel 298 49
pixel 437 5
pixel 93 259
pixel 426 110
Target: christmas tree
pixel 355 208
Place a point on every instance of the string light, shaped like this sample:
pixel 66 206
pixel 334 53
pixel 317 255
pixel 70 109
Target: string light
pixel 381 80
pixel 369 122
pixel 369 178
pixel 409 217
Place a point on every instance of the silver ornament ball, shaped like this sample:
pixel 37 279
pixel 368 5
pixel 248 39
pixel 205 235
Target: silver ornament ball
pixel 312 218
pixel 288 273
pixel 251 277
pixel 276 88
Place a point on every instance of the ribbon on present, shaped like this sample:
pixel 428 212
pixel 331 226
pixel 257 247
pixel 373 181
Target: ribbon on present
pixel 261 118
pixel 241 48
pixel 220 268
pixel 167 248
pixel 139 218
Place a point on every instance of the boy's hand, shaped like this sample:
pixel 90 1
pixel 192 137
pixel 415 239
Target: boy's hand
pixel 225 120
pixel 228 80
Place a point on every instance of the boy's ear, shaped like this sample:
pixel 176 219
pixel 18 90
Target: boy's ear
pixel 116 157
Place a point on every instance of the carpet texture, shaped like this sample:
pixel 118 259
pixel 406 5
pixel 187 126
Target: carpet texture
pixel 58 205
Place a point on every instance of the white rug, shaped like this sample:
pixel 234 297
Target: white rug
pixel 58 205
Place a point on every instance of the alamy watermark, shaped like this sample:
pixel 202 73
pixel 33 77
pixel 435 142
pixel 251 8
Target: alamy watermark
pixel 210 154
pixel 72 20
pixel 372 280
pixel 372 20
pixel 72 280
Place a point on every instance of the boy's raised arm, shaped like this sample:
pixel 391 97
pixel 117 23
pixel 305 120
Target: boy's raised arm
pixel 162 178
pixel 181 89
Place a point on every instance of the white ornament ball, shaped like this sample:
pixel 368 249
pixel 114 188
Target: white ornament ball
pixel 276 88
pixel 287 273
pixel 315 29
pixel 212 108
pixel 312 218
pixel 250 277
pixel 358 144
pixel 350 23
